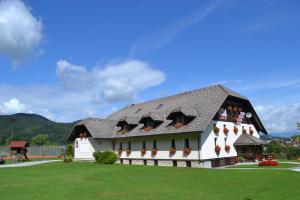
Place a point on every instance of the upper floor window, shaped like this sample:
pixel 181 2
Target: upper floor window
pixel 187 143
pixel 154 144
pixel 149 122
pixel 125 127
pixel 129 145
pixel 179 119
pixel 173 143
pixel 144 145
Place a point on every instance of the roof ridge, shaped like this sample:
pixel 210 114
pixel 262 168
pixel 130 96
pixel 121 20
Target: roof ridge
pixel 175 95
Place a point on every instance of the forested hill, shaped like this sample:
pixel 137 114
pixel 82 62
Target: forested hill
pixel 26 126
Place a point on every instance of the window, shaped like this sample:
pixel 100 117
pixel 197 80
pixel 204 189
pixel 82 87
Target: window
pixel 149 124
pixel 216 141
pixel 154 144
pixel 187 143
pixel 129 145
pixel 179 119
pixel 225 140
pixel 173 143
pixel 159 106
pixel 120 145
pixel 144 145
pixel 76 144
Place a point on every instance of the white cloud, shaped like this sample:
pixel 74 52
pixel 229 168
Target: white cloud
pixel 20 31
pixel 278 119
pixel 113 82
pixel 13 106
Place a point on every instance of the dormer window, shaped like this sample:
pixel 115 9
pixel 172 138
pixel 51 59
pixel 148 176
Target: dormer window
pixel 125 127
pixel 150 122
pixel 179 119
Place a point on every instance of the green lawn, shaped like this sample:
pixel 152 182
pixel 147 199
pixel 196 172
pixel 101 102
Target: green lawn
pixel 92 181
pixel 281 165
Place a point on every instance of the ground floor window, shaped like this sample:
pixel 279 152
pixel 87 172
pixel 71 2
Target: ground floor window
pixel 130 162
pixel 188 163
pixel 145 162
pixel 174 163
pixel 155 162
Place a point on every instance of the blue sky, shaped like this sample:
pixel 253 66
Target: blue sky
pixel 69 60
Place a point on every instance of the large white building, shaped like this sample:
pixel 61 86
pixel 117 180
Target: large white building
pixel 208 127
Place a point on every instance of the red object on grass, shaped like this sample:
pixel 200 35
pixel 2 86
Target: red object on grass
pixel 268 163
pixel 18 144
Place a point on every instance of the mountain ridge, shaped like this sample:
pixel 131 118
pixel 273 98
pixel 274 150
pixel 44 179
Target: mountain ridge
pixel 26 126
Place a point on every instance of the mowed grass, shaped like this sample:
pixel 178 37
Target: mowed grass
pixel 81 180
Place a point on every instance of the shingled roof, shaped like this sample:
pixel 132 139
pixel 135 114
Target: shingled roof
pixel 202 103
pixel 246 139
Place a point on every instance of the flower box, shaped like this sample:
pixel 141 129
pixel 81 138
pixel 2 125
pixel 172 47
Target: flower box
pixel 120 152
pixel 146 129
pixel 235 109
pixel 244 131
pixel 186 151
pixel 143 151
pixel 229 108
pixel 235 129
pixel 227 148
pixel 251 131
pixel 178 125
pixel 154 151
pixel 234 119
pixel 216 130
pixel 217 149
pixel 128 152
pixel 225 130
pixel 172 150
pixel 268 163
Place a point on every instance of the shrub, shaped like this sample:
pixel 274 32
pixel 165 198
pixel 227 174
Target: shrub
pixel 241 158
pixel 268 163
pixel 105 157
pixel 68 159
pixel 70 150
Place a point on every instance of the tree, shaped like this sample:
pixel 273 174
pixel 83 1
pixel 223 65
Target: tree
pixel 70 150
pixel 40 139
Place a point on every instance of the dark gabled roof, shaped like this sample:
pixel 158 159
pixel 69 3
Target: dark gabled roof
pixel 202 104
pixel 247 139
pixel 98 128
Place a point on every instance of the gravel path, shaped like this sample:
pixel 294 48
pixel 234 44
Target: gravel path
pixel 297 169
pixel 27 164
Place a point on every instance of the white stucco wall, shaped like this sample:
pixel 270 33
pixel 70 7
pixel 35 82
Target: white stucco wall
pixel 87 146
pixel 163 144
pixel 208 139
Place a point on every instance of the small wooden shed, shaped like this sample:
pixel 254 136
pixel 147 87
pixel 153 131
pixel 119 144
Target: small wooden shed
pixel 18 146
